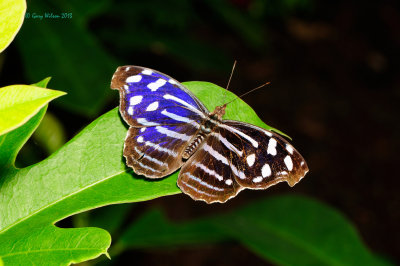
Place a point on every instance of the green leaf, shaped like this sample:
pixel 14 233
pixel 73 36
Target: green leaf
pixel 43 83
pixel 82 67
pixel 296 230
pixel 12 142
pixel 50 245
pixel 87 172
pixel 18 103
pixel 12 14
pixel 285 230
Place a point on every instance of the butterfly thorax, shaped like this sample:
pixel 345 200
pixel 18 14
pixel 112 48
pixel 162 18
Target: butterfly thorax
pixel 206 128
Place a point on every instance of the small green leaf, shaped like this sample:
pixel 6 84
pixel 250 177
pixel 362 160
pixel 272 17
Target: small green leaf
pixel 12 14
pixel 43 83
pixel 18 103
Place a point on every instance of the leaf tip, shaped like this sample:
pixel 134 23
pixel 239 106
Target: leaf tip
pixel 105 253
pixel 43 83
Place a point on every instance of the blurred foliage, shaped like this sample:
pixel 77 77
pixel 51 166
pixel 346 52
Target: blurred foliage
pixel 285 230
pixel 50 134
pixel 64 48
pixel 83 51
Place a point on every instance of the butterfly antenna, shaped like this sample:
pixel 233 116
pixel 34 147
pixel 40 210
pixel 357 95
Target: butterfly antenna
pixel 229 81
pixel 259 87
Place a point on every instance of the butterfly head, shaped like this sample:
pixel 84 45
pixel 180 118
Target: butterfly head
pixel 218 112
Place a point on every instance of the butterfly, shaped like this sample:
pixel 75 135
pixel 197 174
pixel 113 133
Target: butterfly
pixel 170 128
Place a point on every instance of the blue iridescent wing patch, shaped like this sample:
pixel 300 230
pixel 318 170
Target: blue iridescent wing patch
pixel 170 128
pixel 148 96
pixel 163 116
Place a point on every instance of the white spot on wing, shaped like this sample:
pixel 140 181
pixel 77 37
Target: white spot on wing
pixel 140 139
pixel 228 182
pixel 144 122
pixel 158 148
pixel 251 159
pixel 215 154
pixel 135 100
pixel 180 118
pixel 173 134
pixel 266 170
pixel 143 129
pixel 269 134
pixel 152 107
pixel 133 79
pixel 147 72
pixel 221 158
pixel 130 110
pixel 258 179
pixel 272 146
pixel 154 160
pixel 157 84
pixel 252 141
pixel 209 171
pixel 203 183
pixel 172 81
pixel 289 148
pixel 227 143
pixel 176 99
pixel 288 162
pixel 147 167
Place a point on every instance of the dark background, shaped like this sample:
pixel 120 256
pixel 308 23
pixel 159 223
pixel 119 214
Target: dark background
pixel 335 89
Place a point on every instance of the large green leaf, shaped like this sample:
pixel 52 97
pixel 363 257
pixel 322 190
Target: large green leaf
pixel 12 14
pixel 291 230
pixel 64 48
pixel 285 230
pixel 18 103
pixel 86 173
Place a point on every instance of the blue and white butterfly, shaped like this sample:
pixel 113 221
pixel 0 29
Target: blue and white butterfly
pixel 170 129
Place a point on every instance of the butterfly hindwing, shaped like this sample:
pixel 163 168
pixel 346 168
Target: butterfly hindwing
pixel 265 157
pixel 208 174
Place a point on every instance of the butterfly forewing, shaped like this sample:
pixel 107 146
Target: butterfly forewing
pixel 163 116
pixel 265 157
pixel 148 98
